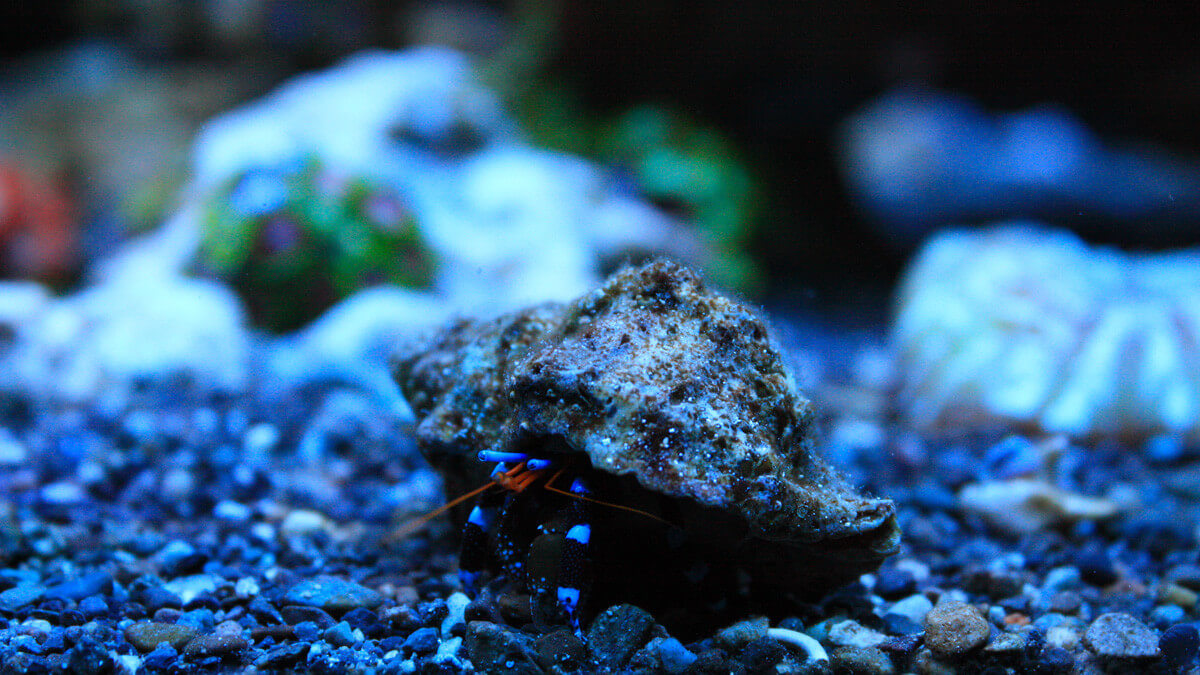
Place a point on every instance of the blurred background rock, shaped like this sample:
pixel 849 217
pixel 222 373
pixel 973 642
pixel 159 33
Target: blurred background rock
pixel 732 115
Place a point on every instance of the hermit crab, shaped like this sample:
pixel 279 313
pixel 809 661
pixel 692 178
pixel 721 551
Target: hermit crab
pixel 644 443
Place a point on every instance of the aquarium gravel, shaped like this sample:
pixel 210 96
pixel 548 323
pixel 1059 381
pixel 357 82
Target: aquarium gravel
pixel 183 531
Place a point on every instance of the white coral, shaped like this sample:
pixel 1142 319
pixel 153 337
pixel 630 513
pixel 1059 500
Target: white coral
pixel 1033 326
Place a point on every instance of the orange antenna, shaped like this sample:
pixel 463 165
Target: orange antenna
pixel 418 523
pixel 608 504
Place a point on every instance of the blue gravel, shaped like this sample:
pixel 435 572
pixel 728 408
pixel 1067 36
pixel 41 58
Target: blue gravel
pixel 147 531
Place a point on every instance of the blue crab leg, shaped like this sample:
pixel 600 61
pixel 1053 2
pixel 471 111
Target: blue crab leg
pixel 574 557
pixel 473 556
pixel 498 456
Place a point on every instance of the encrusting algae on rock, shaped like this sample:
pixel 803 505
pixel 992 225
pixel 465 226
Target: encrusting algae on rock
pixel 664 397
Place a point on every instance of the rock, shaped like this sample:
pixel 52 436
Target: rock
pixel 953 628
pixel 861 661
pixel 332 594
pixel 216 645
pixel 146 636
pixel 493 648
pixel 617 633
pixel 1117 635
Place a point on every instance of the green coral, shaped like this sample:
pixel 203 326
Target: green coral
pixel 693 169
pixel 295 239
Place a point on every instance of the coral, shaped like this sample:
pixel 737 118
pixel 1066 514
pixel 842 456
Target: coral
pixel 296 238
pixel 1031 326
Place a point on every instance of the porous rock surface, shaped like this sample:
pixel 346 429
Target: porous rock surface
pixel 651 376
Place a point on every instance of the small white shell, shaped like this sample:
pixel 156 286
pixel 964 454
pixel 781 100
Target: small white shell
pixel 1032 326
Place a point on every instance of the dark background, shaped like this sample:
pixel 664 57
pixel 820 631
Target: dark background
pixel 777 77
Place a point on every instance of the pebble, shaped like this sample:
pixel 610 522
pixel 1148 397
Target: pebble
pixel 81 587
pixel 1063 636
pixel 447 655
pixel 161 657
pixel 1005 643
pixel 493 648
pixel 62 493
pixel 422 641
pixel 20 596
pixel 297 614
pixel 892 583
pixel 157 597
pixel 761 655
pixel 191 587
pixel 861 661
pixel 1187 576
pixel 307 631
pixel 617 633
pixel 455 621
pixel 246 587
pixel 1119 635
pixel 332 594
pixel 560 650
pixel 260 608
pixel 146 636
pixel 914 608
pixel 177 558
pixel 1062 579
pixel 342 635
pixel 853 634
pixel 283 657
pixel 1096 568
pixel 1066 602
pixel 1179 644
pixel 216 645
pixel 1165 616
pixel 953 628
pixel 734 637
pixel 898 624
pixel 361 618
pixel 304 522
pixel 232 511
pixel 1175 594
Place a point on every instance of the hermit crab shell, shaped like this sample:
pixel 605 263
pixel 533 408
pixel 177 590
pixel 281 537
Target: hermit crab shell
pixel 1029 326
pixel 653 377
